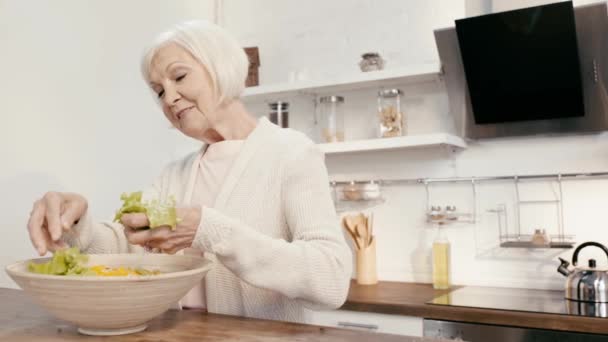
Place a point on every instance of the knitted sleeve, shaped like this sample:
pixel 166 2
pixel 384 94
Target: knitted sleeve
pixel 106 237
pixel 315 267
pixel 98 237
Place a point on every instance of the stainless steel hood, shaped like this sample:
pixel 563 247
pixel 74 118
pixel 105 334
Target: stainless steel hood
pixel 592 34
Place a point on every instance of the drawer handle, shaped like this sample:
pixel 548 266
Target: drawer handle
pixel 358 325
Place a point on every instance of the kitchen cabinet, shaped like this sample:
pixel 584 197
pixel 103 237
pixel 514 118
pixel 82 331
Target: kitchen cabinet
pixel 367 321
pixel 410 300
pixel 482 332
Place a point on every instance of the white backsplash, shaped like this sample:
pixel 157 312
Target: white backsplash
pixel 404 238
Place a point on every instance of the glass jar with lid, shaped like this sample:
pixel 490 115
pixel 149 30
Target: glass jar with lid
pixel 371 61
pixel 331 114
pixel 390 115
pixel 279 113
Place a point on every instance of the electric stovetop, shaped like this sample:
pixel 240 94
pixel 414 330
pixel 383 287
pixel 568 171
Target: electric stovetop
pixel 538 301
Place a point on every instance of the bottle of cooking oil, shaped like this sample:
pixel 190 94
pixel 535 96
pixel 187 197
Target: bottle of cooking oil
pixel 441 261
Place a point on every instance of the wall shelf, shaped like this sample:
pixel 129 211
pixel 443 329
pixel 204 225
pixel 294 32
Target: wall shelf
pixel 362 80
pixel 405 142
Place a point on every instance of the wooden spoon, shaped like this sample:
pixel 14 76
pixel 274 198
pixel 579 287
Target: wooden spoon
pixel 351 221
pixel 371 228
pixel 351 232
pixel 361 233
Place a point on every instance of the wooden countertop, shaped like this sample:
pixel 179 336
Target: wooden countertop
pixel 22 320
pixel 409 299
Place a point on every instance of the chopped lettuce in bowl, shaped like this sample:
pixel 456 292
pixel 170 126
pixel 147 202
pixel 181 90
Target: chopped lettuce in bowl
pixel 70 261
pixel 67 261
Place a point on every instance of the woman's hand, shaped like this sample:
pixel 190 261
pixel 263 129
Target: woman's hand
pixel 53 215
pixel 163 238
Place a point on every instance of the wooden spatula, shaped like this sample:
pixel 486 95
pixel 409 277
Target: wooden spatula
pixel 361 232
pixel 346 223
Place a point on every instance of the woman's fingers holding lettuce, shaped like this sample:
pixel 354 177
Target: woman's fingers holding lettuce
pixel 35 227
pixel 51 215
pixel 73 208
pixel 135 220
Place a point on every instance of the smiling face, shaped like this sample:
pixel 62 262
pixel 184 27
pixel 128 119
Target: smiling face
pixel 185 91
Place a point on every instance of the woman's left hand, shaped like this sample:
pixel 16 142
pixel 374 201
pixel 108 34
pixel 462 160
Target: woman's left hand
pixel 163 238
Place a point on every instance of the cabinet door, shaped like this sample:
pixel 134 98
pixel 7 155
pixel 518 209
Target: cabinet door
pixel 387 324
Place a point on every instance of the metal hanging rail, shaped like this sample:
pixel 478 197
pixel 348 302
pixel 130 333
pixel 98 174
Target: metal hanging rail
pixel 561 176
pixel 561 240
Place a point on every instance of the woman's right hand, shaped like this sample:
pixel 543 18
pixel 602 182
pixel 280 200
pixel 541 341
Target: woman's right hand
pixel 52 215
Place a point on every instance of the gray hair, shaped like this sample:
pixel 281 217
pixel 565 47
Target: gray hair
pixel 218 51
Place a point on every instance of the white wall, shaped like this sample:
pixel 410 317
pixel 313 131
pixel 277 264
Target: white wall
pixel 506 5
pixel 321 36
pixel 477 7
pixel 327 38
pixel 75 115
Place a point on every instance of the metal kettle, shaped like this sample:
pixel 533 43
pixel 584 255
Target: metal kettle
pixel 585 284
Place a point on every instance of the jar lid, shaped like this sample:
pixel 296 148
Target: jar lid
pixel 370 55
pixel 279 105
pixel 331 99
pixel 390 92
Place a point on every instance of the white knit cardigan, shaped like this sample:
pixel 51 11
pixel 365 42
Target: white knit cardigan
pixel 273 230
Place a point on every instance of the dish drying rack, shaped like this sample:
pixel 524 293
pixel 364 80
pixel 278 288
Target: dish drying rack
pixel 540 239
pixel 507 238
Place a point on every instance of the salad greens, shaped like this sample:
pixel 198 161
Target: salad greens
pixel 158 213
pixel 67 261
pixel 70 261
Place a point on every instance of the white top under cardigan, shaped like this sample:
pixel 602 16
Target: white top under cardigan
pixel 273 229
pixel 211 170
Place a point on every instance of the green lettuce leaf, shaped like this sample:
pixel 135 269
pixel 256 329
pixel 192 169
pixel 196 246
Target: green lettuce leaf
pixel 68 261
pixel 158 213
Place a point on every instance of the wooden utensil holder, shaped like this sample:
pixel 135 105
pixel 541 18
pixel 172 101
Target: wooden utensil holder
pixel 366 265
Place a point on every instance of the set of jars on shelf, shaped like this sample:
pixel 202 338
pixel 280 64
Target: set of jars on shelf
pixel 389 116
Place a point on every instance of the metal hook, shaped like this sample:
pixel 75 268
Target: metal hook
pixel 428 196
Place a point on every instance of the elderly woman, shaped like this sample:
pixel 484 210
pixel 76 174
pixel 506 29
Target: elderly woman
pixel 255 198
